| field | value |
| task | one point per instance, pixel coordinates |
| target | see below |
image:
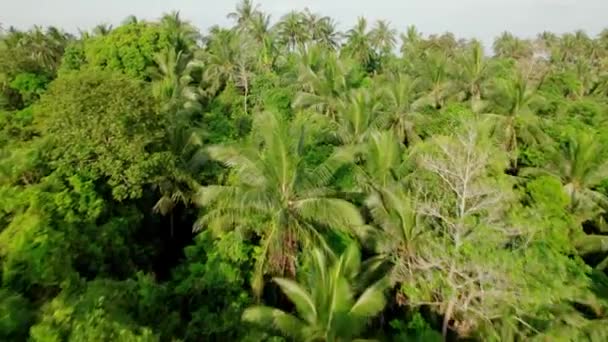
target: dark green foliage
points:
(16, 316)
(211, 286)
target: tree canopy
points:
(280, 180)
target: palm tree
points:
(358, 44)
(507, 45)
(323, 77)
(274, 191)
(172, 86)
(324, 31)
(411, 42)
(359, 116)
(400, 95)
(292, 30)
(434, 79)
(172, 81)
(43, 48)
(474, 72)
(514, 120)
(445, 43)
(102, 30)
(244, 13)
(227, 60)
(383, 37)
(546, 42)
(383, 162)
(179, 185)
(329, 307)
(603, 39)
(401, 229)
(259, 26)
(398, 229)
(183, 35)
(581, 164)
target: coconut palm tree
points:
(226, 60)
(397, 228)
(323, 78)
(276, 194)
(383, 37)
(411, 42)
(473, 72)
(444, 43)
(400, 95)
(328, 305)
(45, 48)
(546, 42)
(244, 13)
(433, 73)
(324, 32)
(358, 43)
(292, 30)
(182, 34)
(179, 185)
(259, 26)
(507, 45)
(514, 121)
(172, 81)
(102, 30)
(581, 163)
(359, 116)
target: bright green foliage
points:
(328, 305)
(100, 132)
(95, 313)
(129, 49)
(34, 254)
(30, 86)
(214, 279)
(154, 179)
(273, 187)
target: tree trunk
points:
(246, 94)
(447, 317)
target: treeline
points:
(290, 182)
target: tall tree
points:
(292, 30)
(514, 119)
(358, 43)
(400, 95)
(507, 45)
(183, 35)
(383, 37)
(580, 163)
(324, 80)
(473, 73)
(244, 13)
(276, 194)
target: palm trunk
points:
(246, 94)
(447, 317)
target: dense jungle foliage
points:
(290, 182)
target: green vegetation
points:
(290, 182)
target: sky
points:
(482, 19)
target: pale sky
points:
(483, 19)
